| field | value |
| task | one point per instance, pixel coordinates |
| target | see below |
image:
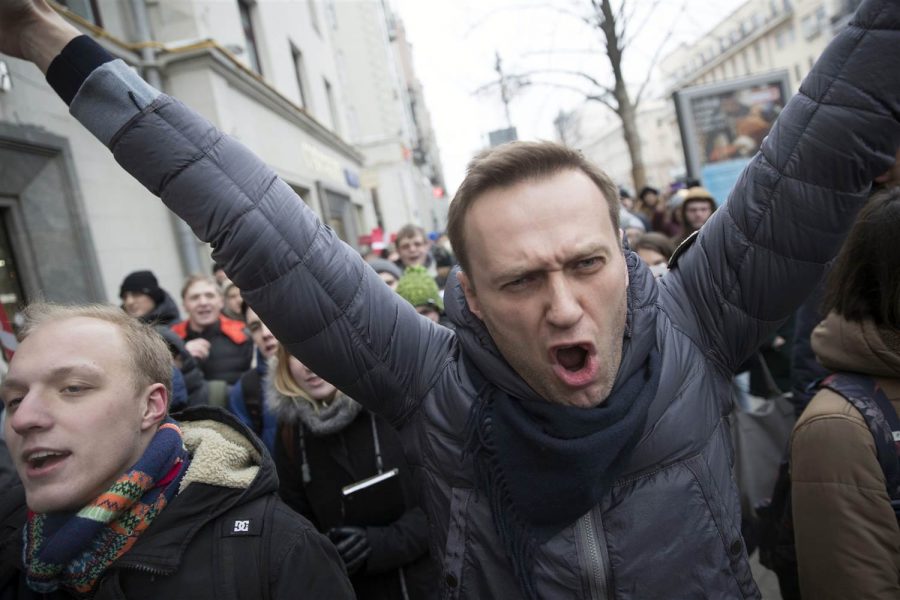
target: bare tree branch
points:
(580, 74)
(513, 8)
(587, 95)
(629, 36)
(552, 51)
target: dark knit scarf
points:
(72, 550)
(544, 465)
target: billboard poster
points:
(723, 125)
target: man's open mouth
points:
(572, 358)
(43, 460)
(575, 365)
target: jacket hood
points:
(339, 413)
(164, 313)
(858, 346)
(478, 345)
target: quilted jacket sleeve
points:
(314, 292)
(763, 251)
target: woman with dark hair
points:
(326, 443)
(846, 530)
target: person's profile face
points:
(413, 251)
(550, 284)
(137, 304)
(203, 304)
(233, 300)
(315, 387)
(74, 419)
(263, 338)
(389, 279)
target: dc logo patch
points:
(241, 527)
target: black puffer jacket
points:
(670, 526)
(182, 553)
(335, 459)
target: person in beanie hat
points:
(143, 299)
(388, 271)
(418, 288)
(697, 208)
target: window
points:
(757, 52)
(332, 107)
(784, 37)
(814, 24)
(86, 9)
(798, 74)
(300, 74)
(249, 37)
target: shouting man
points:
(571, 432)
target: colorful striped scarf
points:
(73, 550)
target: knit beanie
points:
(418, 288)
(143, 282)
(385, 266)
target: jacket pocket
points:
(455, 551)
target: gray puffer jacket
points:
(670, 526)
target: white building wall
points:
(131, 229)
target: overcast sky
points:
(454, 42)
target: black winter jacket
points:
(340, 459)
(230, 350)
(181, 555)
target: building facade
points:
(388, 120)
(73, 223)
(757, 38)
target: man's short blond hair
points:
(151, 361)
(514, 163)
(197, 278)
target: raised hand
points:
(31, 30)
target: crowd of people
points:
(539, 409)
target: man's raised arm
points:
(762, 253)
(314, 292)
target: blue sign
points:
(719, 178)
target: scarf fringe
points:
(519, 545)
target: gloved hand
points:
(352, 544)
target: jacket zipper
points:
(145, 568)
(594, 554)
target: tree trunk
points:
(625, 109)
(628, 114)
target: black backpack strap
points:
(242, 557)
(868, 398)
(251, 385)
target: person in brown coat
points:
(846, 533)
